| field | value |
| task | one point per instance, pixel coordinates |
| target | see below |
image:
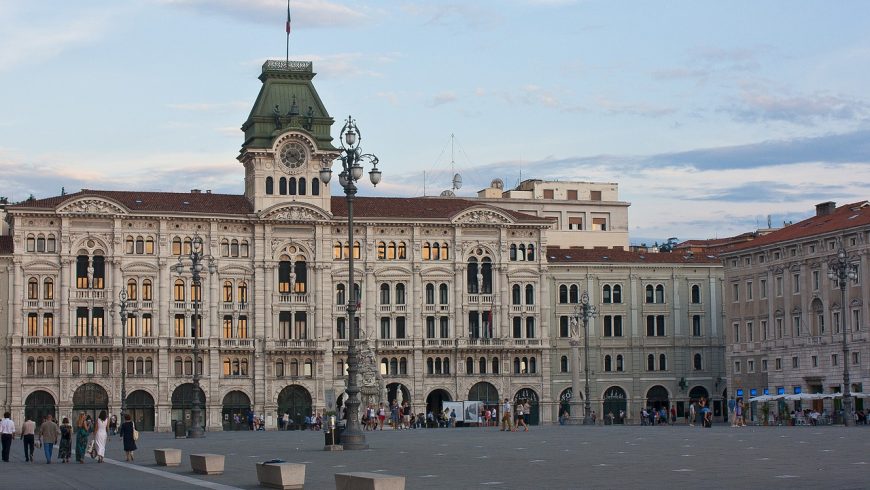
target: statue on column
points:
(479, 282)
(91, 272)
(292, 277)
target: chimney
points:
(208, 191)
(195, 191)
(825, 208)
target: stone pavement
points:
(552, 457)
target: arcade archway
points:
(657, 397)
(234, 413)
(296, 401)
(182, 403)
(529, 395)
(140, 406)
(435, 401)
(91, 399)
(615, 402)
(39, 404)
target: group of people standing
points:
(50, 434)
(522, 410)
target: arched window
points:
(619, 365)
(76, 366)
(400, 294)
(650, 294)
(391, 251)
(336, 250)
(149, 366)
(563, 364)
(443, 294)
(530, 294)
(315, 186)
(607, 365)
(340, 297)
(132, 290)
(236, 367)
(149, 246)
(401, 251)
(179, 290)
(90, 366)
(469, 366)
(178, 369)
(385, 294)
(186, 246)
(430, 366)
(382, 250)
(530, 252)
(140, 245)
(430, 294)
(445, 251)
(31, 243)
(282, 186)
(575, 294)
(176, 246)
(234, 248)
(228, 292)
(696, 362)
(516, 365)
(308, 368)
(436, 251)
(40, 243)
(279, 368)
(32, 288)
(244, 248)
(563, 294)
(356, 250)
(146, 290)
(650, 363)
(48, 289)
(403, 366)
(291, 186)
(438, 366)
(533, 366)
(471, 274)
(495, 365)
(617, 293)
(242, 290)
(521, 252)
(244, 367)
(51, 244)
(481, 365)
(696, 294)
(663, 362)
(302, 186)
(606, 294)
(31, 366)
(227, 367)
(660, 294)
(188, 366)
(129, 245)
(140, 365)
(270, 186)
(446, 365)
(513, 252)
(516, 294)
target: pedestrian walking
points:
(49, 433)
(506, 423)
(7, 432)
(28, 432)
(81, 437)
(113, 424)
(692, 415)
(100, 435)
(65, 449)
(128, 432)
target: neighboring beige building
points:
(460, 298)
(658, 336)
(783, 313)
(584, 214)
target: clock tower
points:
(287, 139)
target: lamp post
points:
(122, 296)
(582, 311)
(841, 270)
(196, 257)
(351, 171)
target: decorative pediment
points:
(91, 205)
(235, 270)
(437, 271)
(393, 272)
(295, 212)
(40, 266)
(139, 267)
(482, 216)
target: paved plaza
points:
(552, 457)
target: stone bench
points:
(207, 464)
(285, 476)
(368, 481)
(167, 457)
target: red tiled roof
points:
(614, 256)
(238, 205)
(417, 208)
(155, 202)
(6, 246)
(842, 218)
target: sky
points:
(711, 116)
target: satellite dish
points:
(497, 184)
(447, 193)
(457, 181)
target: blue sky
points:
(709, 115)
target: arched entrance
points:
(91, 399)
(435, 401)
(39, 404)
(697, 393)
(234, 415)
(657, 397)
(296, 401)
(182, 402)
(398, 392)
(484, 392)
(140, 406)
(615, 403)
(529, 395)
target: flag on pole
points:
(287, 27)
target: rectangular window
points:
(608, 326)
(856, 320)
(430, 327)
(564, 326)
(146, 325)
(445, 327)
(795, 362)
(856, 358)
(242, 327)
(735, 292)
(179, 326)
(572, 195)
(815, 361)
(764, 333)
(777, 364)
(599, 224)
(548, 193)
(779, 328)
(737, 366)
(763, 288)
(778, 285)
(594, 195)
(836, 322)
(796, 325)
(617, 326)
(834, 360)
(696, 325)
(750, 366)
(736, 327)
(816, 280)
(796, 283)
(400, 327)
(764, 365)
(750, 335)
(748, 290)
(575, 223)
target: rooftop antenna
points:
(456, 183)
(769, 223)
(287, 29)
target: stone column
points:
(17, 292)
(164, 297)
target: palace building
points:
(459, 298)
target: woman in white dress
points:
(100, 435)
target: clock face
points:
(293, 155)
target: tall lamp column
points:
(124, 313)
(351, 157)
(196, 256)
(582, 312)
(842, 270)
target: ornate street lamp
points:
(351, 171)
(196, 257)
(842, 269)
(124, 313)
(582, 311)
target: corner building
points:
(456, 297)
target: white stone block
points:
(207, 464)
(285, 476)
(368, 481)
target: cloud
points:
(309, 14)
(769, 191)
(706, 63)
(610, 106)
(758, 104)
(442, 98)
(455, 16)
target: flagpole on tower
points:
(287, 28)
